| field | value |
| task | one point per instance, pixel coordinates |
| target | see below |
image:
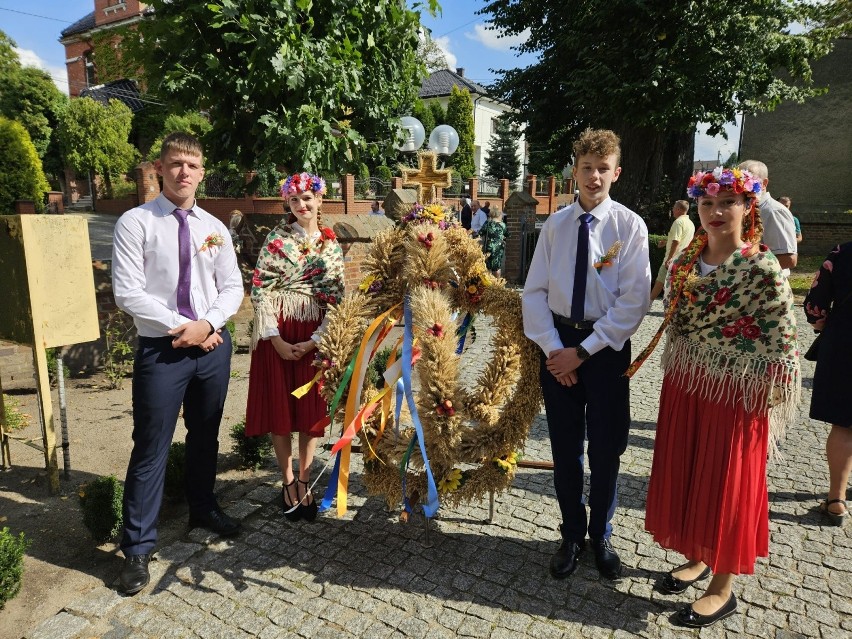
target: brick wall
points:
(76, 68)
(16, 366)
(821, 232)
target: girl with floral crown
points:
(731, 382)
(299, 274)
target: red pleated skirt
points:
(707, 496)
(271, 408)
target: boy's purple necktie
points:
(184, 303)
(581, 267)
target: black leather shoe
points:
(134, 574)
(564, 561)
(686, 616)
(309, 509)
(671, 585)
(606, 559)
(215, 521)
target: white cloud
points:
(444, 45)
(493, 39)
(30, 58)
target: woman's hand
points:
(284, 349)
(303, 348)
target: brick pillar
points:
(439, 193)
(396, 182)
(347, 193)
(503, 193)
(147, 184)
(71, 184)
(532, 180)
(24, 207)
(551, 194)
(473, 188)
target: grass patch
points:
(14, 419)
(801, 277)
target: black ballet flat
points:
(292, 511)
(671, 585)
(686, 616)
(310, 509)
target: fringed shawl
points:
(732, 338)
(296, 277)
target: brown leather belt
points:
(581, 326)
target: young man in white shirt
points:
(583, 299)
(175, 272)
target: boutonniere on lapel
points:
(609, 256)
(214, 239)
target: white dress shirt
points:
(145, 265)
(617, 298)
(479, 218)
(779, 227)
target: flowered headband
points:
(722, 179)
(299, 183)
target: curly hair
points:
(600, 142)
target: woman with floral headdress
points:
(299, 274)
(731, 382)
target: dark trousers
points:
(597, 407)
(164, 379)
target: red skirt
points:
(707, 495)
(271, 407)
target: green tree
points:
(439, 113)
(460, 117)
(8, 57)
(651, 72)
(429, 53)
(301, 83)
(191, 122)
(502, 162)
(422, 112)
(21, 174)
(94, 139)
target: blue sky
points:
(459, 31)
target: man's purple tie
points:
(184, 303)
(581, 268)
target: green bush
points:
(53, 367)
(657, 254)
(253, 451)
(11, 564)
(101, 503)
(173, 487)
(21, 172)
(231, 327)
(384, 173)
(377, 366)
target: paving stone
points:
(61, 626)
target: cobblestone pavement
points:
(368, 575)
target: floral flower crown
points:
(722, 179)
(299, 183)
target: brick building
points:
(79, 39)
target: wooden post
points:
(5, 453)
(48, 429)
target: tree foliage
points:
(430, 54)
(8, 57)
(503, 162)
(191, 122)
(21, 174)
(94, 138)
(652, 71)
(29, 96)
(460, 117)
(302, 83)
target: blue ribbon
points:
(462, 332)
(331, 489)
(431, 505)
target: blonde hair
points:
(181, 143)
(494, 214)
(681, 205)
(600, 142)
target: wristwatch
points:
(582, 353)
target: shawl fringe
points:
(270, 307)
(760, 383)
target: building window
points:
(88, 58)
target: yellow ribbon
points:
(303, 390)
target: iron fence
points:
(221, 185)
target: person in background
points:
(680, 235)
(478, 218)
(493, 235)
(789, 203)
(779, 229)
(175, 272)
(585, 295)
(730, 364)
(376, 208)
(299, 275)
(466, 215)
(828, 307)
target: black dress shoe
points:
(564, 562)
(215, 521)
(309, 509)
(606, 559)
(134, 574)
(671, 585)
(686, 616)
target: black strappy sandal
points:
(836, 519)
(291, 511)
(309, 509)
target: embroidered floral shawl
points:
(732, 336)
(296, 277)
